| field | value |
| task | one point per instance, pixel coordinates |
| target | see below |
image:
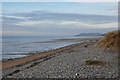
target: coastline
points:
(68, 61)
(20, 50)
(18, 61)
(37, 55)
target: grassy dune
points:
(111, 40)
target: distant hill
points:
(90, 34)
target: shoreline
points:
(34, 55)
(52, 41)
(37, 55)
(68, 62)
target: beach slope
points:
(70, 63)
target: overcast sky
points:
(57, 18)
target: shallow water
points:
(13, 56)
(17, 45)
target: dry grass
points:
(111, 40)
(95, 62)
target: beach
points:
(65, 62)
(18, 47)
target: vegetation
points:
(111, 40)
(95, 62)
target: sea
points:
(12, 47)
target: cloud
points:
(9, 18)
(78, 25)
(16, 17)
(47, 15)
(31, 33)
(50, 23)
(66, 24)
(113, 11)
(33, 23)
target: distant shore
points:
(69, 58)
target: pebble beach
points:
(69, 63)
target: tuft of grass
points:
(94, 62)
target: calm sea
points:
(17, 45)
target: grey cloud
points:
(10, 19)
(9, 22)
(46, 15)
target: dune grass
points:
(111, 40)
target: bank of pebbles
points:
(70, 64)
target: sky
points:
(58, 18)
(60, 0)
